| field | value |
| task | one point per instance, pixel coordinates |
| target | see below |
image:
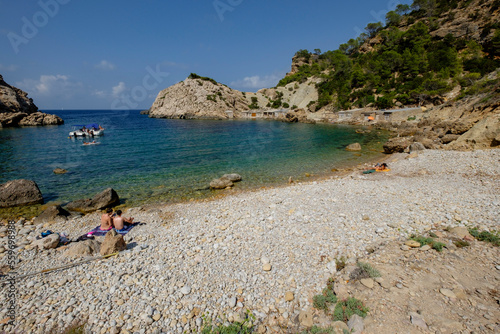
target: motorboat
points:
(91, 130)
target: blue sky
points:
(89, 54)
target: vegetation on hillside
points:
(404, 65)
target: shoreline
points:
(193, 258)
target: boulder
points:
(39, 118)
(417, 147)
(221, 183)
(88, 247)
(19, 192)
(355, 324)
(60, 171)
(446, 139)
(232, 177)
(396, 145)
(105, 199)
(113, 242)
(52, 214)
(354, 147)
(49, 242)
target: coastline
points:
(217, 247)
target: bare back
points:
(106, 222)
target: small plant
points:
(340, 263)
(347, 307)
(493, 238)
(438, 246)
(245, 327)
(321, 302)
(319, 330)
(366, 267)
(461, 243)
(411, 118)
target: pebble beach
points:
(267, 252)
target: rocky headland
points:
(270, 252)
(16, 109)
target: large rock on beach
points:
(83, 248)
(52, 214)
(19, 192)
(396, 145)
(113, 242)
(105, 199)
(39, 118)
(49, 242)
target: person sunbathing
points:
(107, 220)
(382, 168)
(120, 222)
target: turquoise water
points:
(159, 160)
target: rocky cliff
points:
(16, 109)
(204, 98)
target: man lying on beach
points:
(120, 221)
(107, 220)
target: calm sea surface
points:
(155, 160)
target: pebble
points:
(186, 290)
(447, 293)
(368, 282)
(267, 267)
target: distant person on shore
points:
(382, 168)
(120, 222)
(107, 220)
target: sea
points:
(149, 161)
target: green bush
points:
(367, 268)
(346, 308)
(493, 238)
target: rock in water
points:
(113, 242)
(105, 199)
(20, 192)
(232, 177)
(60, 171)
(52, 214)
(221, 183)
(84, 248)
(354, 147)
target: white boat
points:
(91, 130)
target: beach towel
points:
(97, 232)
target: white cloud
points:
(10, 68)
(257, 82)
(105, 65)
(120, 88)
(50, 85)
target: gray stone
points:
(83, 248)
(368, 282)
(105, 199)
(356, 324)
(232, 177)
(19, 192)
(415, 147)
(232, 302)
(52, 214)
(221, 183)
(186, 290)
(417, 320)
(113, 243)
(354, 147)
(49, 242)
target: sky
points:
(119, 54)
